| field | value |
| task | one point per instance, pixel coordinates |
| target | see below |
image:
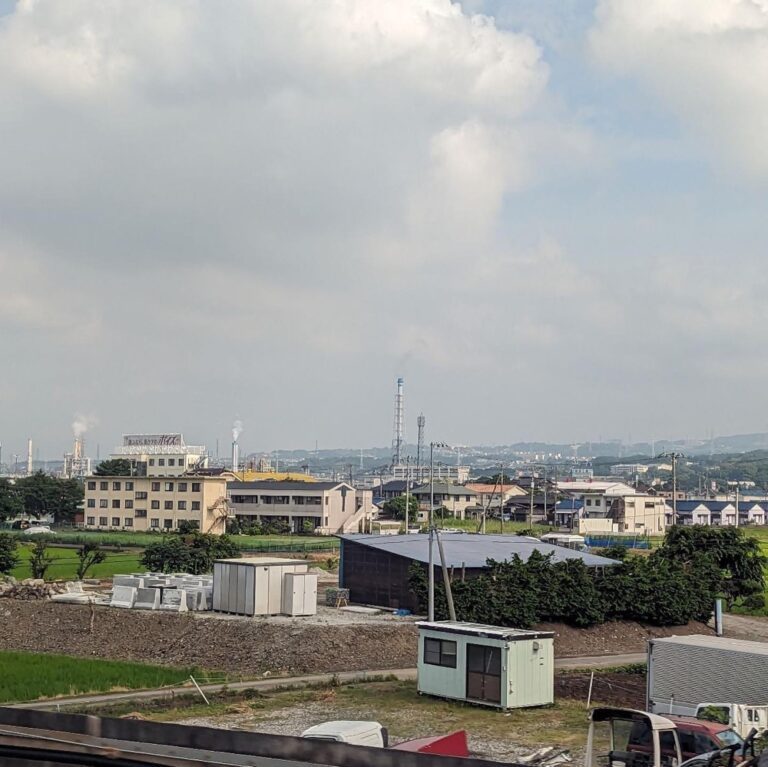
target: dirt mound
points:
(235, 646)
(252, 647)
(612, 638)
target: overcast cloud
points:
(551, 225)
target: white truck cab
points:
(743, 718)
(355, 733)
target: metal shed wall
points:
(680, 676)
(376, 577)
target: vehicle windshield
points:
(729, 738)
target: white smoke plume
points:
(82, 423)
(237, 430)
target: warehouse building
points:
(375, 567)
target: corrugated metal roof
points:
(714, 642)
(482, 629)
(473, 550)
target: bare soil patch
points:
(251, 647)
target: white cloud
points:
(704, 59)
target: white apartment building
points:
(329, 507)
(145, 504)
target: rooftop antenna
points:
(397, 430)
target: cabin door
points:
(484, 673)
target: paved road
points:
(595, 661)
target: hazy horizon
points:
(547, 215)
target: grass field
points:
(65, 564)
(243, 542)
(29, 676)
(396, 704)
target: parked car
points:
(696, 737)
(39, 530)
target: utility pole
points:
(737, 504)
(674, 456)
(407, 488)
(431, 605)
(530, 511)
(501, 499)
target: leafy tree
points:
(42, 495)
(193, 554)
(88, 555)
(11, 504)
(395, 507)
(188, 526)
(115, 467)
(737, 557)
(40, 560)
(8, 556)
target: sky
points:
(549, 216)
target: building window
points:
(155, 504)
(589, 501)
(169, 487)
(116, 486)
(91, 503)
(102, 521)
(168, 506)
(161, 461)
(154, 523)
(103, 503)
(440, 652)
(155, 487)
(649, 504)
(115, 503)
(171, 461)
(129, 504)
(195, 487)
(115, 521)
(167, 524)
(91, 485)
(151, 461)
(129, 485)
(182, 506)
(182, 487)
(141, 495)
(195, 505)
(141, 513)
(103, 485)
(90, 521)
(128, 522)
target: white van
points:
(356, 733)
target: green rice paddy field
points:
(24, 677)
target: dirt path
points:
(749, 627)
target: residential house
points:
(455, 499)
(323, 507)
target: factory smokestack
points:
(236, 431)
(397, 430)
(29, 457)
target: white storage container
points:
(300, 594)
(253, 585)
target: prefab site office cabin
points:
(491, 665)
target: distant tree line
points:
(40, 495)
(677, 583)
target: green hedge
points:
(677, 583)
